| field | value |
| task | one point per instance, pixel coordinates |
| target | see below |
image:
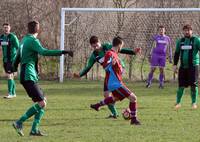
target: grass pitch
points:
(68, 117)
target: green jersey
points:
(27, 55)
(99, 57)
(10, 44)
(187, 49)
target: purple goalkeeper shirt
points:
(162, 42)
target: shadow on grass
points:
(7, 120)
(67, 109)
(66, 120)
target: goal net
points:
(136, 26)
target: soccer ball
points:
(126, 114)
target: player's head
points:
(161, 29)
(6, 28)
(117, 43)
(187, 30)
(33, 27)
(95, 42)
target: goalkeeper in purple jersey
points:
(157, 56)
(99, 51)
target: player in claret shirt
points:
(157, 56)
(99, 51)
(10, 44)
(27, 55)
(113, 81)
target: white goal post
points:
(63, 24)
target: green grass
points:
(69, 118)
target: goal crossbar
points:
(131, 9)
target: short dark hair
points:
(6, 24)
(117, 41)
(187, 27)
(161, 27)
(33, 27)
(94, 39)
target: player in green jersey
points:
(187, 50)
(27, 55)
(97, 55)
(10, 44)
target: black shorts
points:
(33, 90)
(8, 67)
(188, 77)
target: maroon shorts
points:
(121, 93)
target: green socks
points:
(113, 109)
(34, 110)
(30, 112)
(11, 87)
(37, 119)
(179, 95)
(194, 94)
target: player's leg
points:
(41, 100)
(194, 86)
(111, 107)
(161, 77)
(37, 119)
(11, 84)
(162, 61)
(183, 82)
(133, 109)
(106, 101)
(37, 109)
(10, 76)
(194, 94)
(150, 76)
(124, 92)
(154, 64)
(179, 94)
(14, 85)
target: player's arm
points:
(150, 47)
(89, 65)
(176, 55)
(37, 47)
(122, 63)
(198, 43)
(128, 51)
(106, 46)
(16, 61)
(15, 41)
(107, 60)
(170, 51)
(1, 39)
